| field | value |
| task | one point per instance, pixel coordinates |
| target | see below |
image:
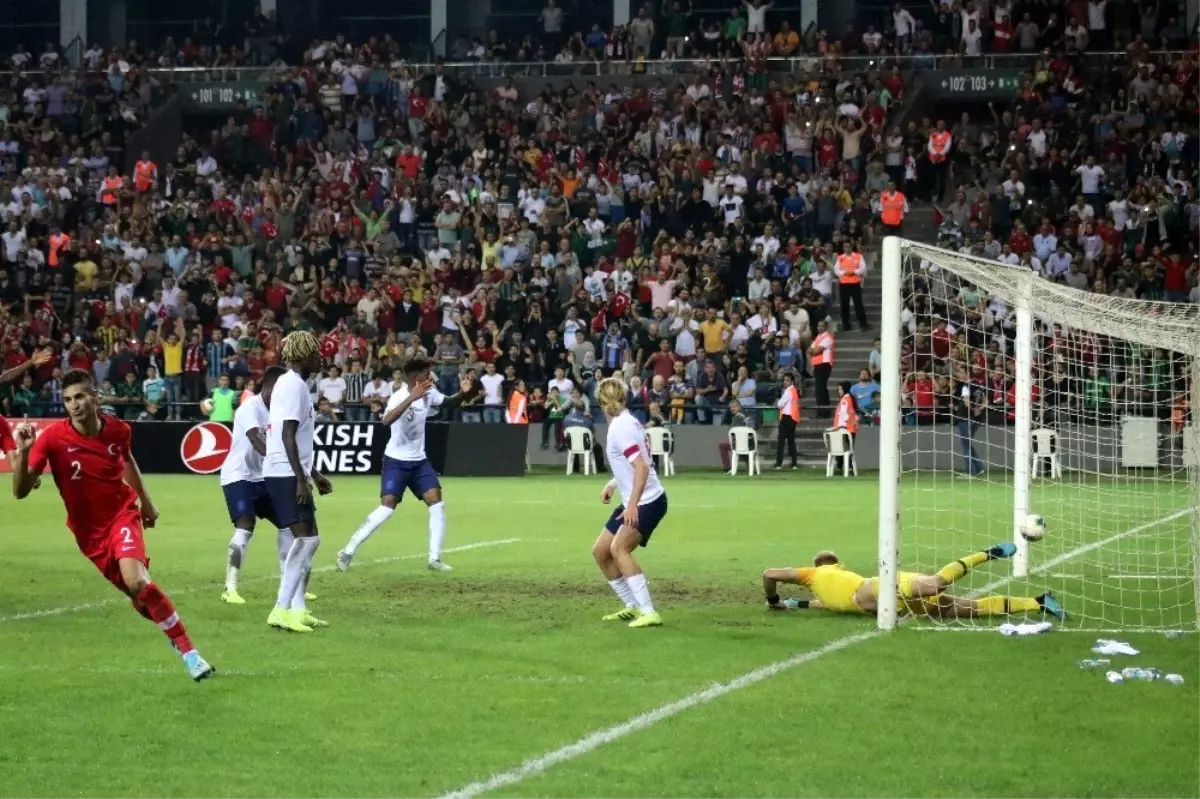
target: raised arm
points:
(418, 391)
(25, 479)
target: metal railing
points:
(804, 64)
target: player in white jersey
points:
(405, 465)
(288, 470)
(643, 506)
(242, 483)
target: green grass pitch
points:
(428, 683)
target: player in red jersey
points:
(107, 504)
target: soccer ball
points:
(1034, 527)
(206, 408)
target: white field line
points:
(589, 743)
(962, 628)
(103, 603)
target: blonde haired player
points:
(643, 506)
(840, 590)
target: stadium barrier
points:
(341, 448)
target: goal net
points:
(1004, 395)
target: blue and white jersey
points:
(243, 463)
(407, 442)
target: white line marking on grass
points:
(962, 628)
(537, 765)
(66, 609)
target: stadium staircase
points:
(852, 351)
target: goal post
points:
(1080, 409)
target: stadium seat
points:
(662, 442)
(1045, 453)
(579, 444)
(839, 445)
(743, 441)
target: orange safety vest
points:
(849, 264)
(791, 404)
(58, 242)
(111, 189)
(893, 208)
(825, 341)
(941, 144)
(516, 409)
(845, 415)
(143, 175)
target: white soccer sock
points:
(298, 600)
(284, 543)
(437, 529)
(641, 592)
(624, 593)
(293, 573)
(370, 524)
(237, 553)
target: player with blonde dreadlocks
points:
(287, 471)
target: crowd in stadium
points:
(687, 232)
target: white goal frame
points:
(1136, 320)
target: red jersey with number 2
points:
(89, 473)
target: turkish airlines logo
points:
(205, 446)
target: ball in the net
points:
(1034, 527)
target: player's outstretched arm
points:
(771, 578)
(133, 478)
(467, 388)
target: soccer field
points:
(499, 679)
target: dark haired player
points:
(242, 483)
(288, 472)
(405, 465)
(107, 503)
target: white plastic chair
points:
(1045, 453)
(743, 442)
(661, 441)
(579, 443)
(839, 445)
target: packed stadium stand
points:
(695, 199)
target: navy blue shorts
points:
(649, 516)
(417, 476)
(245, 498)
(282, 492)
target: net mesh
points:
(1113, 466)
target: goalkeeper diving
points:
(835, 588)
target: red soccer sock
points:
(141, 610)
(162, 612)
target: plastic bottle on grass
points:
(1094, 663)
(1135, 673)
